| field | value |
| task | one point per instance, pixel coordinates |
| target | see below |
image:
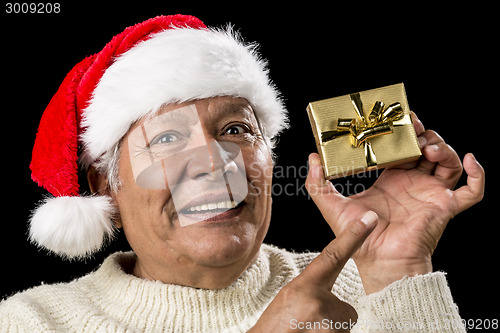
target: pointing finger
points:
(325, 268)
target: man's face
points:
(204, 173)
(196, 184)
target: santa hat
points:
(166, 59)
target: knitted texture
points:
(110, 300)
(419, 304)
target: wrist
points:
(377, 276)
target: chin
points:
(221, 246)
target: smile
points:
(212, 207)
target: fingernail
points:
(312, 161)
(313, 172)
(369, 218)
(421, 141)
(315, 166)
(474, 158)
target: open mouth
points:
(211, 214)
(212, 207)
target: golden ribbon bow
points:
(380, 122)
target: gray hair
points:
(107, 165)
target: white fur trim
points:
(72, 227)
(173, 66)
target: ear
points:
(98, 184)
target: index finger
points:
(325, 268)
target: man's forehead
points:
(183, 115)
(203, 109)
(210, 106)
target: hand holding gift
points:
(414, 202)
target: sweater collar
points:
(153, 305)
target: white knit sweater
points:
(110, 300)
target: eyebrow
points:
(176, 115)
(231, 108)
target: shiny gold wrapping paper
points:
(339, 156)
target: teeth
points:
(213, 205)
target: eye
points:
(235, 130)
(167, 137)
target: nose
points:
(213, 160)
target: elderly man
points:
(175, 125)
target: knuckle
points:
(447, 148)
(450, 151)
(333, 254)
(290, 292)
(450, 148)
(315, 306)
(308, 182)
(433, 136)
(479, 196)
(357, 229)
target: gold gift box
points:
(364, 131)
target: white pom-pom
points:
(72, 227)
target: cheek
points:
(259, 169)
(140, 208)
(144, 216)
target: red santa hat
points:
(166, 59)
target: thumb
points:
(316, 184)
(324, 194)
(325, 268)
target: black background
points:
(443, 54)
